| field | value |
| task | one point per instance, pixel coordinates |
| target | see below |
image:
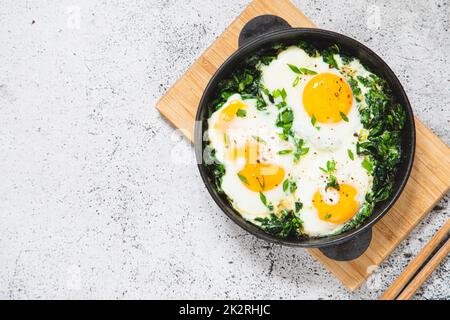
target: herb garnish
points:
(241, 113)
(368, 165)
(284, 152)
(263, 199)
(258, 139)
(298, 206)
(243, 179)
(332, 183)
(300, 150)
(284, 120)
(328, 56)
(279, 93)
(343, 116)
(289, 184)
(332, 180)
(301, 71)
(331, 166)
(350, 154)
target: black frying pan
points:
(263, 32)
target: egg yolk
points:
(262, 177)
(258, 176)
(340, 212)
(249, 151)
(228, 114)
(326, 96)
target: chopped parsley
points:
(284, 152)
(301, 71)
(343, 116)
(350, 154)
(243, 179)
(241, 113)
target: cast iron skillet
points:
(263, 32)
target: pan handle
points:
(351, 249)
(261, 25)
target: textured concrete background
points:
(100, 198)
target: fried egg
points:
(326, 210)
(325, 111)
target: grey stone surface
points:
(100, 198)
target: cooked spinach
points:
(293, 186)
(384, 121)
(355, 88)
(363, 213)
(246, 80)
(346, 60)
(308, 48)
(328, 56)
(284, 225)
(216, 168)
(298, 206)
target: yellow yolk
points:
(250, 151)
(228, 114)
(260, 177)
(342, 211)
(255, 175)
(326, 96)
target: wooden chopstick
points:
(421, 267)
(425, 273)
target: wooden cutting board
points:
(430, 177)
